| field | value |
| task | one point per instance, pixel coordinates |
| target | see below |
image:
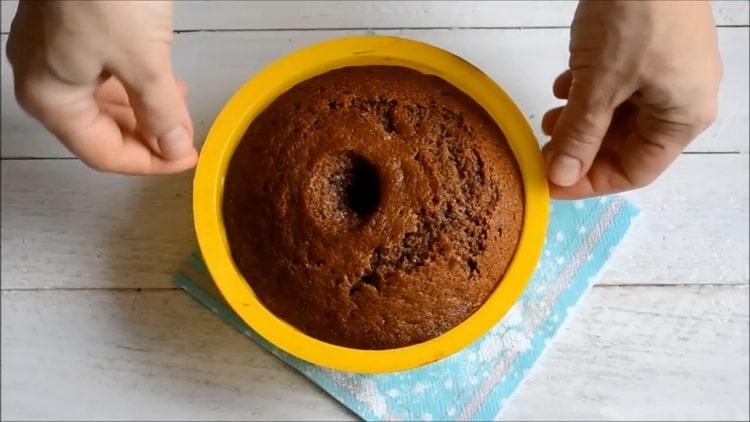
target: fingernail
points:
(564, 170)
(175, 144)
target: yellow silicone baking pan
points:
(256, 94)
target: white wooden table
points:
(92, 327)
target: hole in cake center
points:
(361, 190)
(344, 189)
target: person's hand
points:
(98, 75)
(642, 83)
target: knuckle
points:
(154, 90)
(150, 76)
(11, 50)
(642, 182)
(706, 115)
(148, 73)
(698, 118)
(594, 101)
(34, 98)
(578, 136)
(696, 108)
(598, 89)
(27, 95)
(639, 179)
(581, 133)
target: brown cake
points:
(373, 207)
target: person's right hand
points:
(642, 83)
(98, 75)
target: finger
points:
(642, 157)
(122, 115)
(159, 106)
(549, 121)
(100, 138)
(112, 91)
(579, 131)
(552, 116)
(561, 87)
(107, 144)
(113, 100)
(123, 152)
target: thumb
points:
(159, 106)
(579, 131)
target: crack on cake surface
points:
(417, 248)
(382, 109)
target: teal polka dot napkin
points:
(473, 384)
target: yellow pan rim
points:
(256, 94)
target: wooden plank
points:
(627, 353)
(635, 353)
(153, 355)
(375, 14)
(199, 15)
(65, 226)
(524, 62)
(694, 228)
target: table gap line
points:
(388, 28)
(33, 158)
(168, 289)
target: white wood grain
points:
(627, 353)
(65, 226)
(154, 355)
(399, 14)
(524, 62)
(694, 228)
(198, 15)
(636, 353)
